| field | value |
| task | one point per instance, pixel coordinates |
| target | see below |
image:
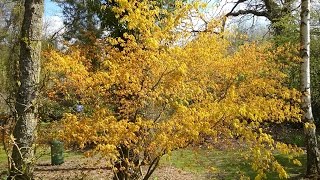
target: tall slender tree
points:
(26, 106)
(313, 156)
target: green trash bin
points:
(57, 152)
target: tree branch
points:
(154, 164)
(237, 3)
(245, 12)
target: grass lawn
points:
(216, 164)
(42, 155)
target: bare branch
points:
(237, 3)
(245, 12)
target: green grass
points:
(293, 170)
(213, 163)
(3, 156)
(295, 139)
(226, 165)
(44, 154)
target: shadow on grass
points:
(226, 165)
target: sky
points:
(51, 8)
(52, 17)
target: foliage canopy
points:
(152, 94)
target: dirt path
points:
(88, 169)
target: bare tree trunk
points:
(313, 158)
(26, 107)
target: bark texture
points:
(313, 158)
(26, 106)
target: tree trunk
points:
(26, 107)
(128, 166)
(313, 158)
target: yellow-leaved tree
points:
(153, 92)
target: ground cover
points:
(187, 164)
(221, 161)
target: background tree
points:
(274, 11)
(82, 19)
(88, 20)
(283, 19)
(26, 101)
(286, 20)
(315, 61)
(313, 156)
(315, 77)
(10, 24)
